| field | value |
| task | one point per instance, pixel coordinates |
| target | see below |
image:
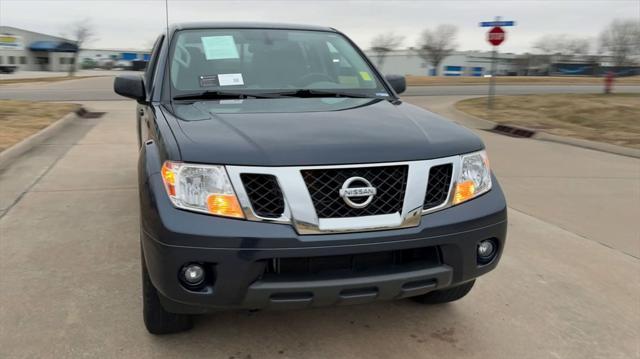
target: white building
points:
(460, 63)
(33, 51)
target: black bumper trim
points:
(274, 295)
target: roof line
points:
(35, 32)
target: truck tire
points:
(156, 318)
(445, 295)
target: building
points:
(478, 63)
(33, 51)
(460, 63)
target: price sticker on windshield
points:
(219, 47)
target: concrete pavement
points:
(591, 193)
(70, 285)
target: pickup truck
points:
(278, 169)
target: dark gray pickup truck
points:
(279, 169)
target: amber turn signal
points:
(169, 178)
(464, 191)
(224, 205)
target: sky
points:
(135, 24)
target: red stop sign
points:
(496, 36)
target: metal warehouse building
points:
(460, 63)
(33, 51)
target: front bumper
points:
(237, 253)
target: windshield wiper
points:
(214, 95)
(319, 93)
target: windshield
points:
(268, 61)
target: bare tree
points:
(81, 32)
(621, 40)
(435, 45)
(383, 44)
(562, 45)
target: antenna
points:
(166, 15)
(166, 40)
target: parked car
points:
(88, 63)
(123, 65)
(279, 169)
(8, 69)
(106, 63)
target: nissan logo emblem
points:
(365, 190)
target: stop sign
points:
(496, 36)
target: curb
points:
(37, 138)
(483, 124)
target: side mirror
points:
(130, 86)
(397, 82)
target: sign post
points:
(495, 36)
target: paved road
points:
(70, 286)
(461, 90)
(100, 89)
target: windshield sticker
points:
(384, 94)
(208, 80)
(231, 102)
(230, 79)
(219, 47)
(365, 75)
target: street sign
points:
(496, 36)
(497, 23)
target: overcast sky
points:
(134, 24)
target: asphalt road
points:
(568, 285)
(101, 89)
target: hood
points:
(313, 131)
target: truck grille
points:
(264, 193)
(438, 185)
(324, 187)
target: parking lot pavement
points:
(70, 283)
(593, 194)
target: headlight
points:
(474, 178)
(201, 188)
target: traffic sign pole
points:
(492, 79)
(495, 36)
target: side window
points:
(148, 73)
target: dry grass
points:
(42, 79)
(21, 119)
(528, 80)
(613, 118)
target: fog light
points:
(193, 274)
(486, 251)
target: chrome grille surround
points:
(300, 212)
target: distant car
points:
(7, 69)
(89, 63)
(279, 169)
(123, 64)
(106, 63)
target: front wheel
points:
(156, 318)
(445, 295)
